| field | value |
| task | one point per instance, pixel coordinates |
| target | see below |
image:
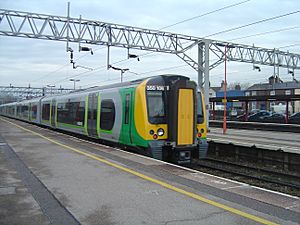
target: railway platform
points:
(270, 140)
(52, 178)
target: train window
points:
(33, 111)
(18, 110)
(200, 117)
(63, 113)
(126, 120)
(107, 116)
(24, 111)
(46, 111)
(71, 113)
(156, 107)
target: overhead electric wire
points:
(264, 33)
(49, 73)
(151, 71)
(139, 74)
(253, 23)
(67, 64)
(183, 21)
(85, 72)
(217, 33)
(257, 22)
(205, 14)
(292, 45)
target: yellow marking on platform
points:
(153, 180)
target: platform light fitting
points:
(256, 68)
(133, 56)
(86, 49)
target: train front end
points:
(174, 121)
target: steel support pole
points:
(68, 25)
(225, 90)
(200, 66)
(108, 57)
(206, 81)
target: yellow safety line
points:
(161, 183)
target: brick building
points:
(274, 87)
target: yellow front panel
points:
(185, 129)
(142, 124)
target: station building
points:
(275, 87)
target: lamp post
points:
(225, 90)
(74, 80)
(225, 83)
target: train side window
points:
(62, 113)
(46, 111)
(71, 113)
(79, 113)
(19, 110)
(127, 102)
(107, 114)
(33, 111)
(200, 117)
(24, 111)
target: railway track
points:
(251, 174)
(295, 128)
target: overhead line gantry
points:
(78, 30)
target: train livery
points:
(162, 116)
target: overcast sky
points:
(40, 63)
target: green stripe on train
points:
(129, 134)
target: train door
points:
(92, 114)
(127, 118)
(185, 117)
(182, 113)
(53, 107)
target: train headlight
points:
(160, 132)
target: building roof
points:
(215, 89)
(276, 86)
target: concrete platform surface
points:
(64, 180)
(271, 140)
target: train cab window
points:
(200, 117)
(156, 107)
(107, 114)
(46, 111)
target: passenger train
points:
(162, 116)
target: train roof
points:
(110, 86)
(130, 83)
(124, 84)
